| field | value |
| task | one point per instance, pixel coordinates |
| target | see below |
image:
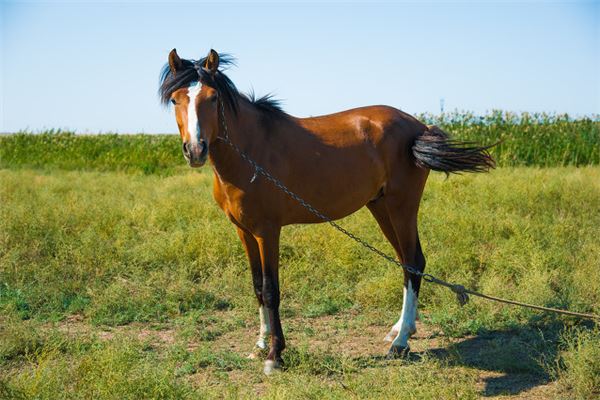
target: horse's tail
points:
(434, 149)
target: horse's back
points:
(375, 125)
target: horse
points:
(375, 156)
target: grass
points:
(538, 139)
(526, 140)
(119, 285)
(126, 368)
(578, 366)
(145, 154)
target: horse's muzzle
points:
(195, 153)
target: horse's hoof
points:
(272, 366)
(396, 352)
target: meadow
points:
(543, 140)
(121, 278)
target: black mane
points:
(267, 103)
(192, 71)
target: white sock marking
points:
(396, 328)
(193, 126)
(406, 325)
(265, 328)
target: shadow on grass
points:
(518, 359)
(515, 357)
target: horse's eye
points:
(173, 102)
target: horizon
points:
(93, 71)
(428, 118)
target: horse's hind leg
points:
(252, 251)
(380, 212)
(402, 211)
(396, 214)
(408, 315)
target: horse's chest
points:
(235, 203)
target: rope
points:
(462, 293)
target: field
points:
(524, 140)
(121, 278)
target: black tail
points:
(435, 150)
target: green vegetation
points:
(526, 140)
(579, 364)
(120, 277)
(118, 285)
(147, 154)
(545, 140)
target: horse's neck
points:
(227, 163)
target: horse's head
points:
(191, 87)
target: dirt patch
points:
(156, 335)
(341, 335)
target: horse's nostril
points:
(186, 152)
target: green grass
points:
(538, 139)
(127, 368)
(145, 154)
(121, 252)
(121, 248)
(578, 366)
(526, 140)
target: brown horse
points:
(376, 156)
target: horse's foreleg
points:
(253, 253)
(268, 244)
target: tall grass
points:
(526, 140)
(147, 154)
(578, 366)
(537, 139)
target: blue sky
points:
(93, 66)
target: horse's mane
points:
(192, 71)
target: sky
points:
(93, 67)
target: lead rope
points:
(462, 293)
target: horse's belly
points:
(336, 196)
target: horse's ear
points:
(175, 62)
(212, 62)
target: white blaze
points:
(193, 126)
